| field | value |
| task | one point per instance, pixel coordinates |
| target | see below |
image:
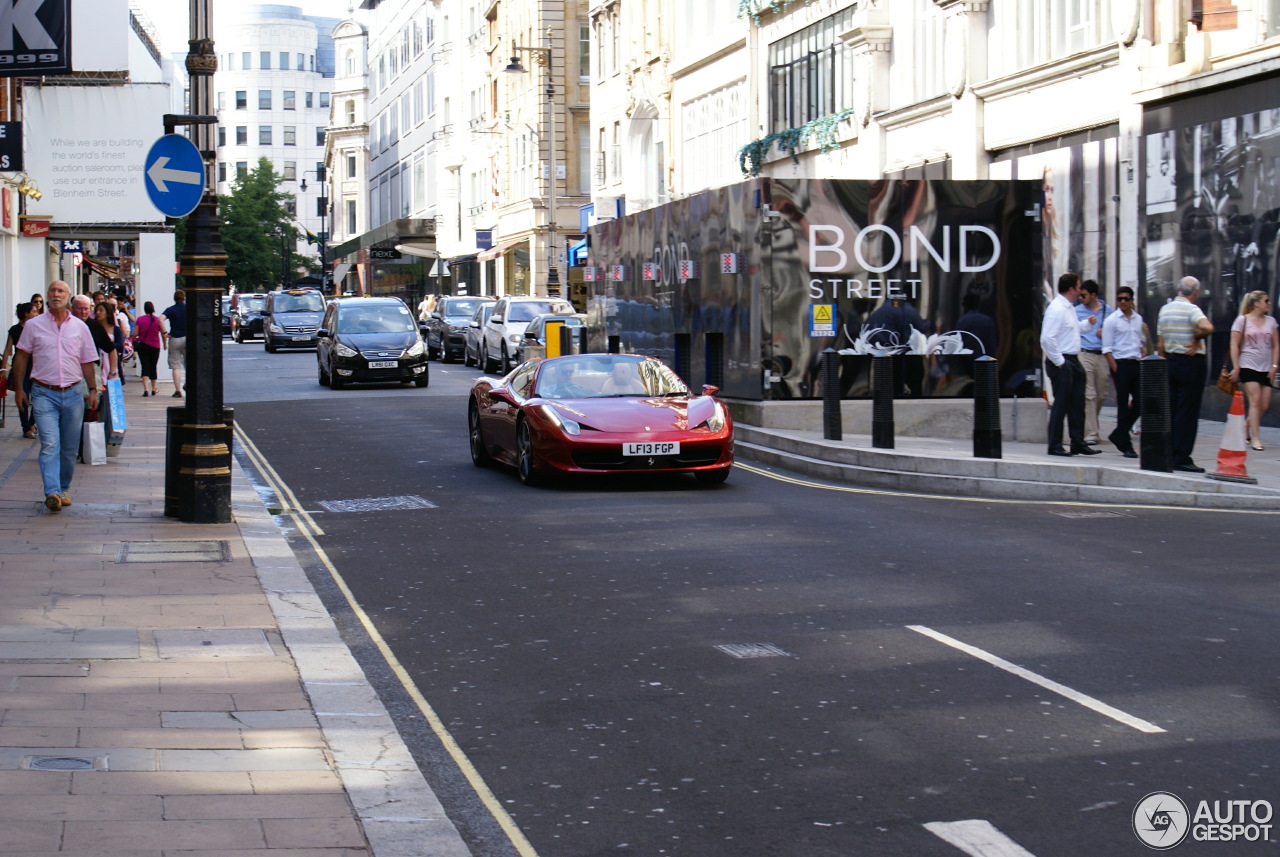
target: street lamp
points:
(322, 209)
(543, 55)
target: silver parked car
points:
(475, 332)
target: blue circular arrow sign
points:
(175, 175)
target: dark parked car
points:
(370, 339)
(446, 329)
(224, 306)
(599, 413)
(291, 318)
(475, 333)
(246, 315)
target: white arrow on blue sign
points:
(175, 175)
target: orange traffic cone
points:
(1232, 454)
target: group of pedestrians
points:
(62, 355)
(1086, 344)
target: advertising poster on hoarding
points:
(87, 147)
(932, 273)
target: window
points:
(290, 171)
(349, 63)
(264, 135)
(242, 99)
(324, 100)
(264, 99)
(230, 62)
(382, 73)
(222, 136)
(419, 183)
(417, 37)
(242, 169)
(584, 49)
(264, 59)
(319, 136)
(404, 48)
(1027, 33)
(291, 135)
(291, 205)
(351, 166)
(712, 123)
(352, 226)
(301, 59)
(351, 111)
(810, 73)
(418, 90)
(284, 61)
(246, 60)
(406, 119)
(917, 69)
(290, 99)
(222, 101)
(242, 135)
(584, 158)
(222, 171)
(309, 99)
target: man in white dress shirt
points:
(1123, 335)
(1060, 341)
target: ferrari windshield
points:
(599, 376)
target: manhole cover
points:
(203, 551)
(378, 504)
(61, 763)
(1092, 515)
(753, 650)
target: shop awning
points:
(501, 249)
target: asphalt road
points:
(775, 666)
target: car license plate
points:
(383, 364)
(301, 338)
(670, 447)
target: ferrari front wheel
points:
(524, 454)
(479, 455)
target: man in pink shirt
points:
(62, 355)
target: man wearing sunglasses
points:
(1123, 335)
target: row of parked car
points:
(494, 334)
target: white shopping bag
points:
(93, 443)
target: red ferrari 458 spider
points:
(599, 413)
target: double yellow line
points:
(310, 530)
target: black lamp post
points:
(322, 210)
(199, 438)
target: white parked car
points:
(505, 328)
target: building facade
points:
(272, 95)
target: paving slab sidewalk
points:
(202, 703)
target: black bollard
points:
(882, 401)
(566, 338)
(831, 428)
(1156, 441)
(615, 344)
(987, 435)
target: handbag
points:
(1225, 384)
(93, 443)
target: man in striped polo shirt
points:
(1180, 330)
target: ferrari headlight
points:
(715, 422)
(415, 350)
(343, 351)
(567, 425)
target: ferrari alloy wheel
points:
(479, 455)
(524, 454)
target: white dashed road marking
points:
(1048, 684)
(977, 838)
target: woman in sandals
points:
(1255, 354)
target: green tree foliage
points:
(253, 218)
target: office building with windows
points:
(271, 94)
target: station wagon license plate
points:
(670, 447)
(383, 364)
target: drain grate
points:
(202, 551)
(378, 504)
(754, 650)
(60, 763)
(1092, 515)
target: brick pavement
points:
(205, 705)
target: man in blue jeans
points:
(62, 356)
